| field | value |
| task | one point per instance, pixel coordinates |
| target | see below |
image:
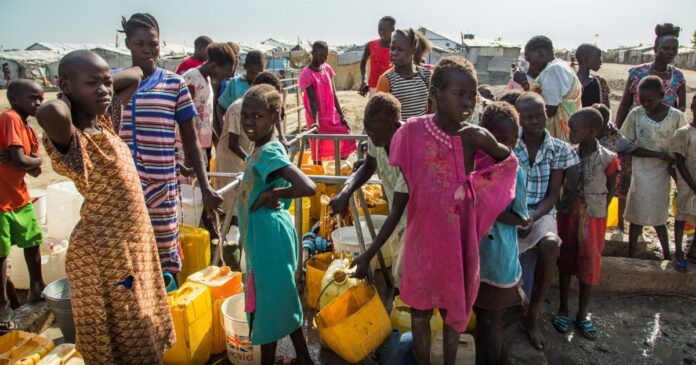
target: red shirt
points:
(15, 132)
(187, 64)
(379, 62)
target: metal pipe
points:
(361, 238)
(371, 228)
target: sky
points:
(567, 22)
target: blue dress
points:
(269, 240)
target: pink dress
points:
(448, 213)
(329, 119)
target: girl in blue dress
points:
(267, 231)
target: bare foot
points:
(531, 328)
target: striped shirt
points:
(157, 112)
(411, 92)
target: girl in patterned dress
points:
(118, 299)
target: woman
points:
(161, 104)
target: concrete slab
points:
(33, 317)
(626, 275)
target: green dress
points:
(269, 240)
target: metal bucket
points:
(57, 295)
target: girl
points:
(582, 217)
(234, 147)
(119, 304)
(267, 231)
(500, 263)
(377, 52)
(650, 126)
(682, 146)
(407, 82)
(161, 104)
(556, 82)
(220, 65)
(595, 88)
(459, 179)
(254, 63)
(422, 50)
(321, 105)
(544, 159)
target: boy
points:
(559, 86)
(199, 57)
(544, 159)
(382, 120)
(377, 51)
(19, 148)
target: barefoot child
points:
(19, 156)
(407, 82)
(582, 217)
(267, 231)
(322, 107)
(118, 299)
(650, 126)
(234, 146)
(683, 146)
(382, 120)
(544, 159)
(220, 64)
(377, 52)
(459, 179)
(500, 262)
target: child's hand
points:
(520, 77)
(185, 171)
(211, 199)
(339, 204)
(363, 89)
(267, 199)
(525, 230)
(361, 265)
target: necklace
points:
(667, 71)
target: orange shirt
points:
(15, 132)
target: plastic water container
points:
(336, 281)
(193, 318)
(57, 295)
(23, 348)
(345, 239)
(466, 353)
(195, 249)
(64, 354)
(53, 253)
(38, 199)
(400, 317)
(64, 204)
(222, 283)
(306, 206)
(192, 205)
(240, 351)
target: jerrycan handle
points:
(64, 360)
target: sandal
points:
(588, 329)
(561, 323)
(681, 265)
(7, 326)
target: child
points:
(321, 105)
(407, 82)
(19, 155)
(119, 304)
(377, 51)
(382, 119)
(199, 57)
(220, 65)
(682, 146)
(582, 217)
(161, 105)
(544, 159)
(650, 126)
(500, 263)
(559, 85)
(486, 92)
(611, 139)
(595, 88)
(234, 146)
(254, 64)
(450, 167)
(267, 231)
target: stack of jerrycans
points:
(222, 283)
(195, 250)
(193, 317)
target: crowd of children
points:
(498, 193)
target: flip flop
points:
(588, 329)
(561, 323)
(680, 265)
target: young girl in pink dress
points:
(322, 106)
(459, 179)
